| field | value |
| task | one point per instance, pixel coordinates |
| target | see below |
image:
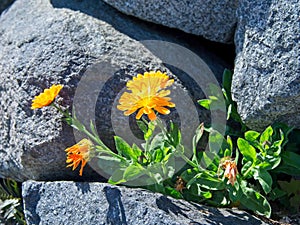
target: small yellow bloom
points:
(79, 152)
(47, 97)
(230, 171)
(147, 93)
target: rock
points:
(214, 20)
(48, 42)
(100, 203)
(266, 82)
(4, 4)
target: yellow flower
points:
(47, 97)
(230, 171)
(79, 152)
(147, 93)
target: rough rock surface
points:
(214, 20)
(47, 42)
(266, 82)
(99, 203)
(4, 4)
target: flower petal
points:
(147, 92)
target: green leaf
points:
(229, 142)
(198, 134)
(254, 201)
(264, 178)
(157, 172)
(136, 150)
(175, 134)
(289, 164)
(235, 192)
(149, 133)
(217, 142)
(276, 193)
(75, 122)
(68, 120)
(158, 177)
(108, 164)
(205, 103)
(117, 177)
(124, 149)
(270, 162)
(227, 80)
(189, 174)
(170, 166)
(246, 171)
(9, 207)
(266, 136)
(237, 156)
(228, 150)
(217, 103)
(253, 138)
(206, 181)
(229, 111)
(209, 162)
(173, 193)
(227, 153)
(247, 150)
(292, 188)
(251, 135)
(158, 155)
(142, 125)
(286, 130)
(157, 142)
(166, 153)
(133, 171)
(195, 189)
(277, 145)
(218, 199)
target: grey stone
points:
(214, 20)
(47, 42)
(63, 203)
(266, 82)
(4, 4)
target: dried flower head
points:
(180, 184)
(230, 171)
(80, 152)
(47, 97)
(147, 94)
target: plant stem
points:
(191, 163)
(100, 150)
(248, 170)
(79, 126)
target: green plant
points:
(239, 169)
(263, 156)
(11, 209)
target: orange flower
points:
(230, 171)
(147, 93)
(79, 152)
(47, 97)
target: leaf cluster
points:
(11, 210)
(259, 158)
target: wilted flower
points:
(147, 93)
(180, 184)
(47, 97)
(80, 152)
(230, 171)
